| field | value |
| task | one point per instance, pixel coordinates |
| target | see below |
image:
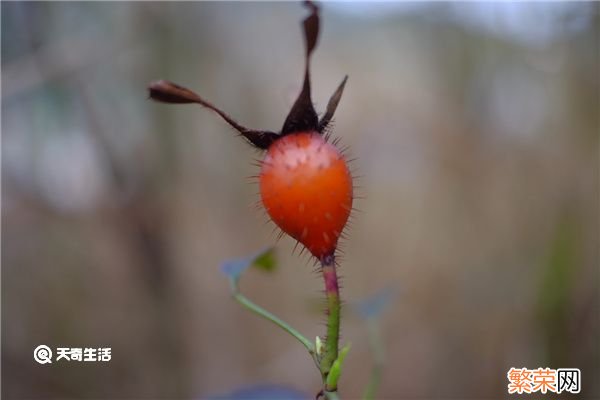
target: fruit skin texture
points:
(306, 188)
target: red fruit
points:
(305, 184)
(306, 188)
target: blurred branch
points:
(58, 59)
(376, 346)
(371, 310)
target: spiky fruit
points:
(305, 183)
(306, 188)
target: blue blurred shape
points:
(264, 259)
(372, 307)
(263, 392)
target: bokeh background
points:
(475, 127)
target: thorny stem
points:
(326, 358)
(333, 320)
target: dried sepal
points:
(332, 106)
(302, 116)
(168, 92)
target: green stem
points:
(331, 396)
(333, 321)
(244, 301)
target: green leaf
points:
(336, 368)
(266, 260)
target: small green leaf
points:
(266, 260)
(336, 368)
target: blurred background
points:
(475, 128)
